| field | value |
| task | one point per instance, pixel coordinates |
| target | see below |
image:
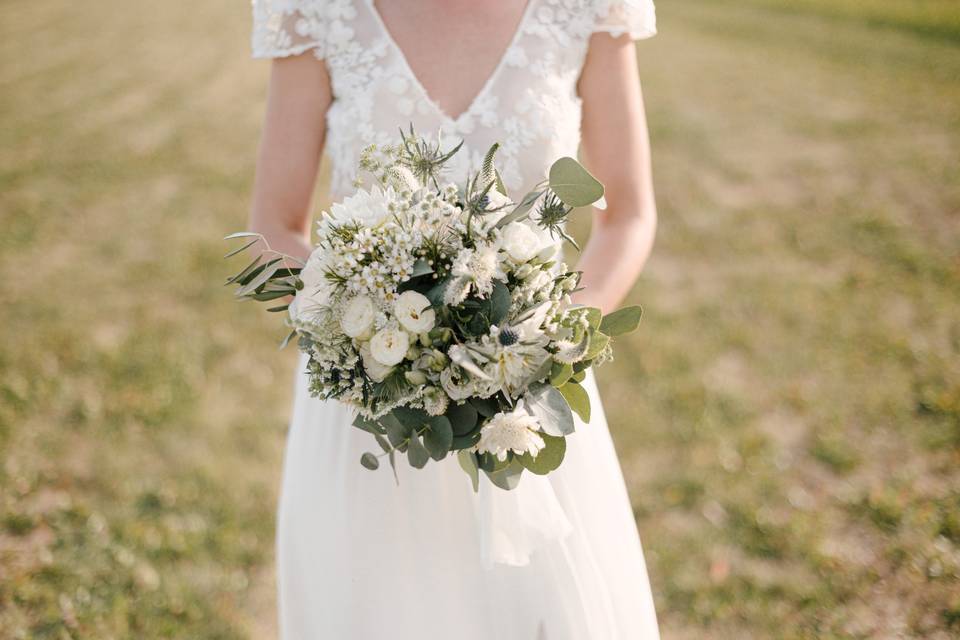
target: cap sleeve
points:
(637, 18)
(289, 27)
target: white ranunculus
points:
(389, 345)
(521, 242)
(413, 311)
(369, 208)
(514, 431)
(357, 318)
(378, 372)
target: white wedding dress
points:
(360, 558)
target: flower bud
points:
(425, 339)
(523, 271)
(415, 377)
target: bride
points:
(360, 558)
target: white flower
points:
(358, 316)
(475, 268)
(368, 208)
(413, 311)
(521, 242)
(435, 401)
(458, 387)
(514, 431)
(389, 345)
(377, 372)
(316, 290)
(512, 365)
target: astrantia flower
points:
(413, 311)
(368, 208)
(389, 345)
(358, 316)
(514, 431)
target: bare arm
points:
(616, 150)
(290, 150)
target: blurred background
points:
(788, 417)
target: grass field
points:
(788, 417)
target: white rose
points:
(357, 318)
(413, 311)
(521, 242)
(389, 345)
(377, 372)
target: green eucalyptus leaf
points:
(508, 477)
(487, 407)
(417, 454)
(438, 437)
(384, 444)
(550, 409)
(369, 461)
(573, 184)
(548, 458)
(468, 462)
(411, 418)
(621, 321)
(465, 442)
(576, 396)
(560, 372)
(397, 432)
(598, 341)
(462, 417)
(392, 457)
(368, 425)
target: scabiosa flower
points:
(515, 431)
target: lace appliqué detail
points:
(529, 105)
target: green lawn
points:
(792, 435)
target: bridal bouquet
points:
(442, 314)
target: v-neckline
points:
(484, 89)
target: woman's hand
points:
(290, 151)
(616, 149)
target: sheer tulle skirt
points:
(362, 558)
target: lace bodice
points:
(529, 104)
